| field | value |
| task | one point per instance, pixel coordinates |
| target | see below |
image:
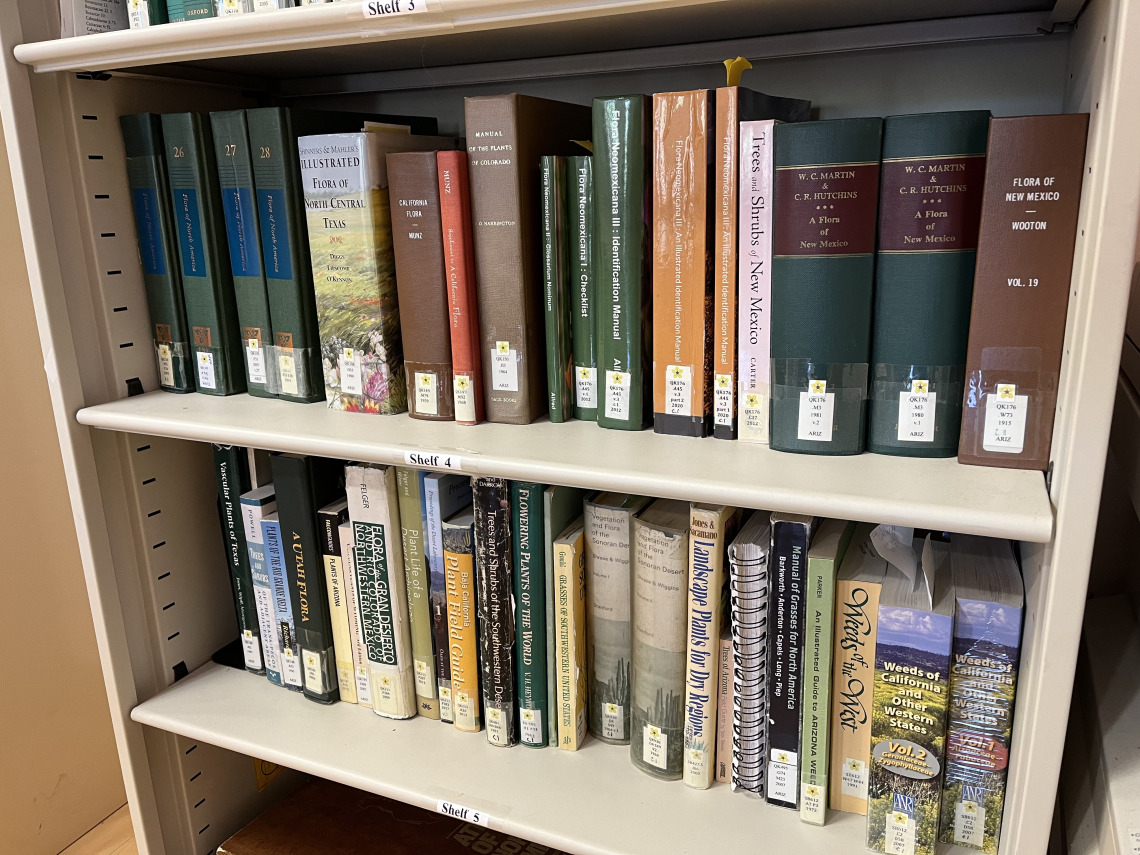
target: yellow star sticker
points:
(654, 732)
(818, 387)
(970, 807)
(920, 387)
(584, 373)
(678, 372)
(618, 379)
(696, 754)
(752, 400)
(1006, 391)
(722, 381)
(781, 757)
(504, 347)
(853, 765)
(611, 709)
(348, 353)
(528, 715)
(386, 682)
(901, 818)
(813, 792)
(462, 382)
(425, 380)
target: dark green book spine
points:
(285, 253)
(580, 248)
(826, 192)
(622, 259)
(235, 178)
(930, 209)
(304, 485)
(190, 10)
(154, 225)
(207, 284)
(556, 296)
(530, 607)
(231, 465)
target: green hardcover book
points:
(824, 557)
(207, 283)
(826, 190)
(146, 13)
(231, 465)
(235, 177)
(531, 596)
(304, 485)
(555, 287)
(409, 488)
(190, 10)
(930, 207)
(580, 249)
(622, 260)
(154, 224)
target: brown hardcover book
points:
(1034, 168)
(332, 819)
(417, 243)
(683, 219)
(506, 135)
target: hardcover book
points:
(711, 529)
(462, 619)
(362, 676)
(409, 486)
(462, 300)
(657, 672)
(381, 589)
(330, 518)
(255, 504)
(622, 260)
(531, 597)
(1034, 169)
(583, 284)
(826, 189)
(231, 466)
(443, 497)
(154, 227)
(929, 207)
(146, 13)
(556, 289)
(491, 498)
(289, 653)
(207, 283)
(190, 10)
(305, 484)
(608, 521)
(506, 136)
(421, 281)
(825, 556)
(570, 611)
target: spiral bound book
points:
(748, 587)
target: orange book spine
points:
(682, 256)
(724, 293)
(459, 265)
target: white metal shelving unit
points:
(142, 484)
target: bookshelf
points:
(142, 486)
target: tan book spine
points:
(570, 611)
(724, 294)
(463, 637)
(362, 683)
(725, 686)
(338, 613)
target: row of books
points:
(873, 284)
(87, 17)
(814, 662)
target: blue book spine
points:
(290, 649)
(254, 506)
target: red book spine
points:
(459, 262)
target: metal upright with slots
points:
(140, 475)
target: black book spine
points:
(496, 612)
(231, 465)
(305, 484)
(785, 660)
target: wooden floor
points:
(113, 836)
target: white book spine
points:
(361, 676)
(335, 580)
(754, 282)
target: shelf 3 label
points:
(391, 8)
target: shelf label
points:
(476, 817)
(916, 413)
(1005, 420)
(722, 400)
(427, 460)
(817, 411)
(392, 8)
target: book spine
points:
(754, 279)
(608, 554)
(983, 682)
(290, 650)
(381, 587)
(815, 741)
(410, 486)
(727, 142)
(622, 258)
(530, 601)
(908, 733)
(853, 678)
(823, 264)
(657, 675)
(580, 251)
(234, 7)
(748, 584)
(146, 13)
(207, 284)
(724, 704)
(328, 524)
(459, 265)
(929, 212)
(570, 585)
(154, 226)
(462, 631)
(555, 288)
(433, 555)
(252, 514)
(285, 254)
(496, 612)
(350, 244)
(235, 178)
(682, 248)
(785, 665)
(232, 469)
(362, 679)
(190, 10)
